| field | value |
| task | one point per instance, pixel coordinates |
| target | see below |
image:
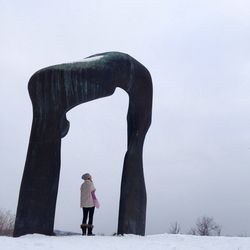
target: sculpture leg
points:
(133, 198)
(132, 213)
(38, 192)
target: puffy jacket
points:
(86, 197)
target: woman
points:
(88, 200)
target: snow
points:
(93, 58)
(127, 242)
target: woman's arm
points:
(93, 195)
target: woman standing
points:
(88, 200)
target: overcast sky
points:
(197, 151)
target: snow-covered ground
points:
(128, 242)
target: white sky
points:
(197, 151)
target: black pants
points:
(88, 213)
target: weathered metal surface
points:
(54, 91)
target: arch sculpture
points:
(54, 91)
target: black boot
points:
(90, 228)
(84, 228)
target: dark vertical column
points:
(38, 192)
(133, 199)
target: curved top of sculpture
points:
(56, 89)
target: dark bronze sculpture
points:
(54, 91)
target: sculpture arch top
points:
(54, 91)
